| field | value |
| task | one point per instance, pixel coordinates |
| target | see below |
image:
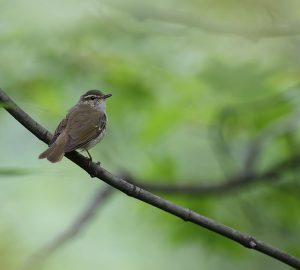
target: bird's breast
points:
(95, 141)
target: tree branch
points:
(233, 183)
(246, 176)
(147, 197)
(74, 228)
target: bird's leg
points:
(91, 160)
(90, 157)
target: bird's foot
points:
(90, 162)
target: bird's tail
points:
(55, 152)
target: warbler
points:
(83, 127)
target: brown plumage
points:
(82, 128)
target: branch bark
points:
(147, 197)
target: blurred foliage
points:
(13, 172)
(195, 85)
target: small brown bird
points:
(82, 128)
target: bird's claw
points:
(90, 163)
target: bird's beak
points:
(107, 96)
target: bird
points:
(82, 128)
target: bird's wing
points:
(83, 125)
(62, 125)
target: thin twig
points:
(71, 231)
(149, 198)
(220, 187)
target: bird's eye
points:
(93, 97)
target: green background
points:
(194, 84)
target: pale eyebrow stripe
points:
(91, 96)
